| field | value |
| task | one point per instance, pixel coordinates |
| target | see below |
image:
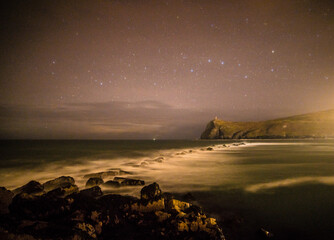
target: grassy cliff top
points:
(319, 124)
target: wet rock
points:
(88, 228)
(111, 183)
(91, 215)
(151, 191)
(177, 205)
(159, 159)
(63, 191)
(144, 164)
(109, 173)
(92, 192)
(32, 187)
(28, 206)
(162, 216)
(60, 182)
(6, 197)
(91, 182)
(128, 181)
(151, 206)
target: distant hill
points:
(312, 125)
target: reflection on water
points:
(285, 186)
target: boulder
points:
(59, 182)
(209, 149)
(89, 214)
(32, 187)
(6, 197)
(151, 191)
(129, 181)
(109, 173)
(92, 192)
(63, 191)
(91, 182)
(111, 183)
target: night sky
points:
(160, 69)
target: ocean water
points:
(284, 186)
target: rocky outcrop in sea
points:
(57, 209)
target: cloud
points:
(103, 120)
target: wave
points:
(328, 180)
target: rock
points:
(159, 159)
(88, 228)
(162, 216)
(177, 205)
(28, 206)
(91, 182)
(6, 197)
(63, 191)
(32, 187)
(109, 173)
(182, 226)
(151, 191)
(111, 183)
(151, 206)
(209, 149)
(91, 215)
(128, 181)
(63, 181)
(92, 192)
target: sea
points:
(283, 186)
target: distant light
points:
(191, 70)
(222, 62)
(272, 51)
(101, 83)
(209, 60)
(272, 69)
(246, 76)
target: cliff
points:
(312, 125)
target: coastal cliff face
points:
(313, 125)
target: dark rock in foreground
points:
(6, 197)
(32, 187)
(90, 215)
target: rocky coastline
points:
(58, 209)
